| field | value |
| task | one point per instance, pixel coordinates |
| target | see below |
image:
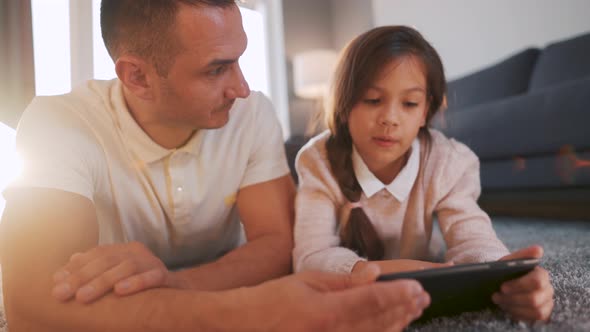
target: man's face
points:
(205, 77)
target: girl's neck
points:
(389, 173)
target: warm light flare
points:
(568, 163)
(11, 165)
(519, 164)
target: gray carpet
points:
(567, 258)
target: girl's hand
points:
(401, 265)
(530, 297)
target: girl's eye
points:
(372, 101)
(410, 104)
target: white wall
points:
(470, 34)
(349, 19)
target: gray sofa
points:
(528, 120)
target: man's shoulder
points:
(86, 103)
(75, 118)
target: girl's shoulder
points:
(440, 148)
(446, 159)
(315, 148)
(314, 170)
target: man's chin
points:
(219, 120)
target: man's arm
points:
(41, 229)
(266, 211)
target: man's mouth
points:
(225, 107)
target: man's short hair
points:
(145, 28)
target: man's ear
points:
(134, 73)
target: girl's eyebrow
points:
(415, 89)
(408, 90)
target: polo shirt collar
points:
(400, 187)
(138, 140)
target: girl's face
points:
(388, 117)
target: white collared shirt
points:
(400, 187)
(179, 202)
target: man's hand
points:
(530, 297)
(319, 301)
(401, 265)
(125, 268)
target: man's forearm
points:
(151, 310)
(257, 261)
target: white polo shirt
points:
(180, 202)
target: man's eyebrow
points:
(218, 62)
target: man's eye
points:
(372, 101)
(217, 71)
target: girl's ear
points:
(135, 75)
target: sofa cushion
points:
(563, 169)
(292, 147)
(507, 78)
(526, 125)
(563, 61)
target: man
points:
(126, 180)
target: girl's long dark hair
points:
(357, 69)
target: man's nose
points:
(239, 87)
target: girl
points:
(370, 185)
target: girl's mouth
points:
(385, 141)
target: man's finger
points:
(69, 286)
(382, 305)
(105, 282)
(136, 283)
(76, 262)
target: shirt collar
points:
(400, 187)
(138, 140)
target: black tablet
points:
(465, 287)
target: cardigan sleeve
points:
(466, 228)
(317, 243)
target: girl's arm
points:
(466, 228)
(400, 265)
(317, 243)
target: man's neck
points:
(168, 137)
